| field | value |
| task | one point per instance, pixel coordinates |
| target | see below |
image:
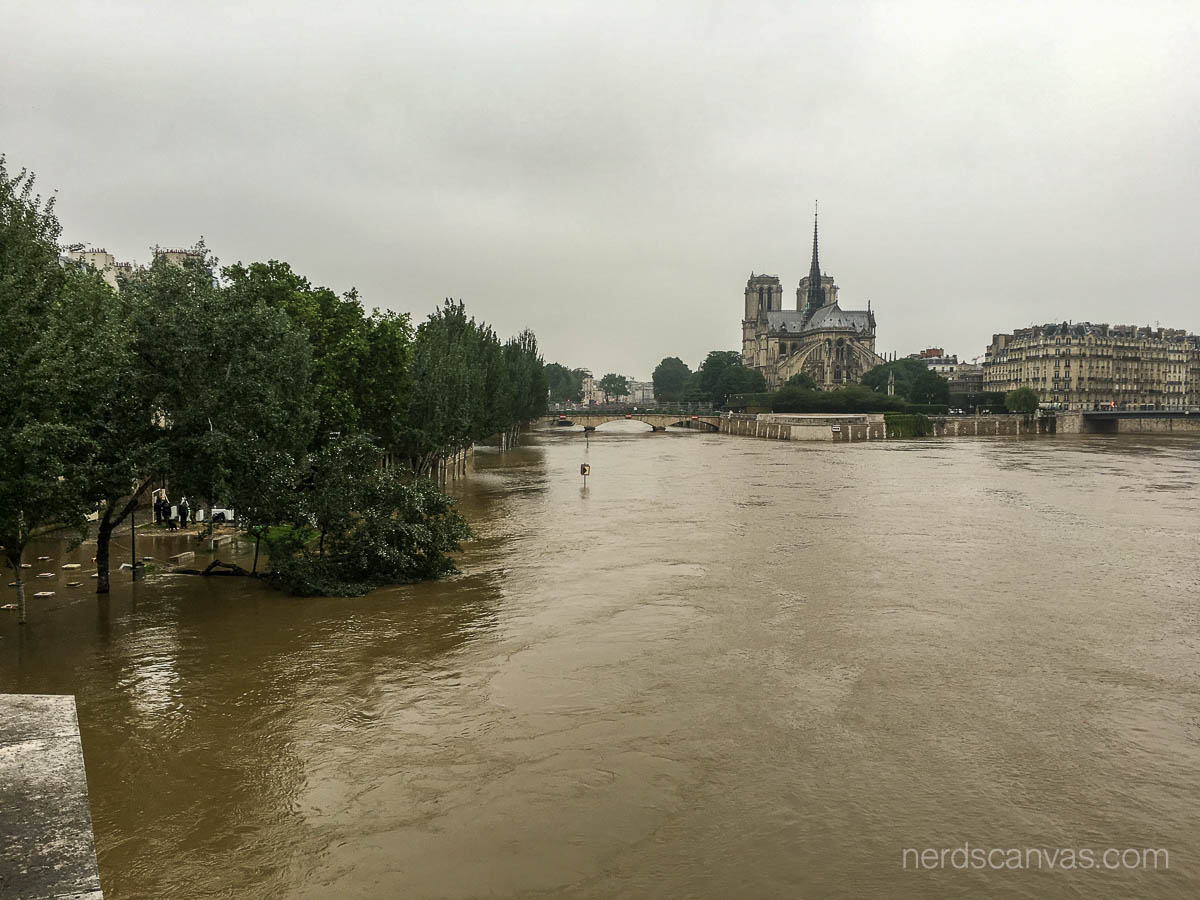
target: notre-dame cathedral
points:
(835, 346)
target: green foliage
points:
(737, 380)
(1022, 400)
(693, 391)
(850, 399)
(803, 381)
(372, 526)
(57, 333)
(467, 386)
(229, 380)
(915, 381)
(722, 375)
(613, 385)
(907, 425)
(566, 385)
(360, 363)
(979, 400)
(711, 371)
(670, 378)
(527, 378)
(264, 392)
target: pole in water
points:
(133, 541)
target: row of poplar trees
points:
(246, 387)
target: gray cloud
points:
(610, 174)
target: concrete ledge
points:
(186, 556)
(45, 819)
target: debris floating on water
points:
(72, 566)
(44, 594)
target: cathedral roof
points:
(827, 318)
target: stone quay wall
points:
(873, 427)
(1176, 423)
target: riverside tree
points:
(467, 387)
(566, 385)
(915, 381)
(722, 375)
(364, 526)
(613, 385)
(238, 390)
(670, 377)
(1022, 400)
(56, 340)
(360, 363)
(218, 396)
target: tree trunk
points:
(108, 524)
(257, 541)
(103, 541)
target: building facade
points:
(936, 360)
(102, 261)
(111, 270)
(1086, 366)
(967, 378)
(835, 346)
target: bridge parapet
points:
(658, 420)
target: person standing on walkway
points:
(184, 509)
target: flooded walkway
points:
(724, 668)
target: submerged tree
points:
(365, 526)
(262, 392)
(215, 396)
(467, 386)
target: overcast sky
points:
(609, 174)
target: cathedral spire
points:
(816, 296)
(814, 271)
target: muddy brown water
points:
(725, 668)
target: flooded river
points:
(724, 668)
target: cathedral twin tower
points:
(834, 346)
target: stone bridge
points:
(657, 419)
